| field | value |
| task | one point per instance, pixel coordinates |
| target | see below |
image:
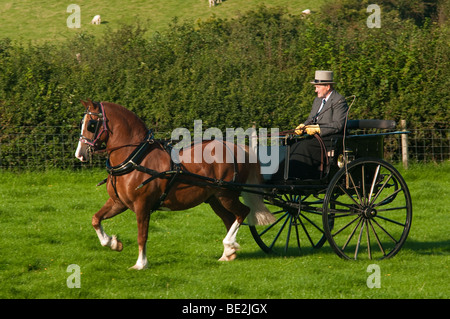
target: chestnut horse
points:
(136, 180)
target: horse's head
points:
(93, 130)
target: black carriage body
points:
(356, 146)
(348, 146)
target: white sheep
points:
(96, 20)
(213, 2)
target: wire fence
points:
(429, 143)
(44, 147)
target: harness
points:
(134, 159)
(133, 162)
(175, 174)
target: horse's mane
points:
(126, 114)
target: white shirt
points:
(324, 101)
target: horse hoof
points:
(119, 246)
(138, 267)
(228, 258)
(116, 244)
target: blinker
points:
(92, 126)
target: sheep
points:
(96, 20)
(212, 3)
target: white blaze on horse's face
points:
(82, 150)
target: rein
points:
(112, 149)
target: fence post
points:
(404, 145)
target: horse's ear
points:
(87, 103)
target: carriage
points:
(360, 203)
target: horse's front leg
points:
(143, 219)
(110, 209)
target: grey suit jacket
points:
(332, 117)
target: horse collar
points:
(134, 159)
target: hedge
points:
(251, 70)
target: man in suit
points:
(328, 111)
(327, 118)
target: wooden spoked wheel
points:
(369, 207)
(298, 224)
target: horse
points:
(143, 177)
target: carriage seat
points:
(367, 124)
(361, 145)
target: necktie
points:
(321, 106)
(320, 109)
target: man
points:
(327, 118)
(328, 111)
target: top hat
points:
(323, 77)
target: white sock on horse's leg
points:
(229, 243)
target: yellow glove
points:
(299, 129)
(312, 129)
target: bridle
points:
(97, 127)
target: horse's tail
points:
(259, 214)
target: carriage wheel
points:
(371, 210)
(298, 224)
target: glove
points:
(312, 129)
(299, 129)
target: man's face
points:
(322, 90)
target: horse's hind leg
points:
(233, 213)
(110, 209)
(230, 246)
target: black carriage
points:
(360, 204)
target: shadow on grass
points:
(259, 254)
(436, 248)
(428, 247)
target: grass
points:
(45, 20)
(45, 221)
(45, 218)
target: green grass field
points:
(45, 20)
(45, 220)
